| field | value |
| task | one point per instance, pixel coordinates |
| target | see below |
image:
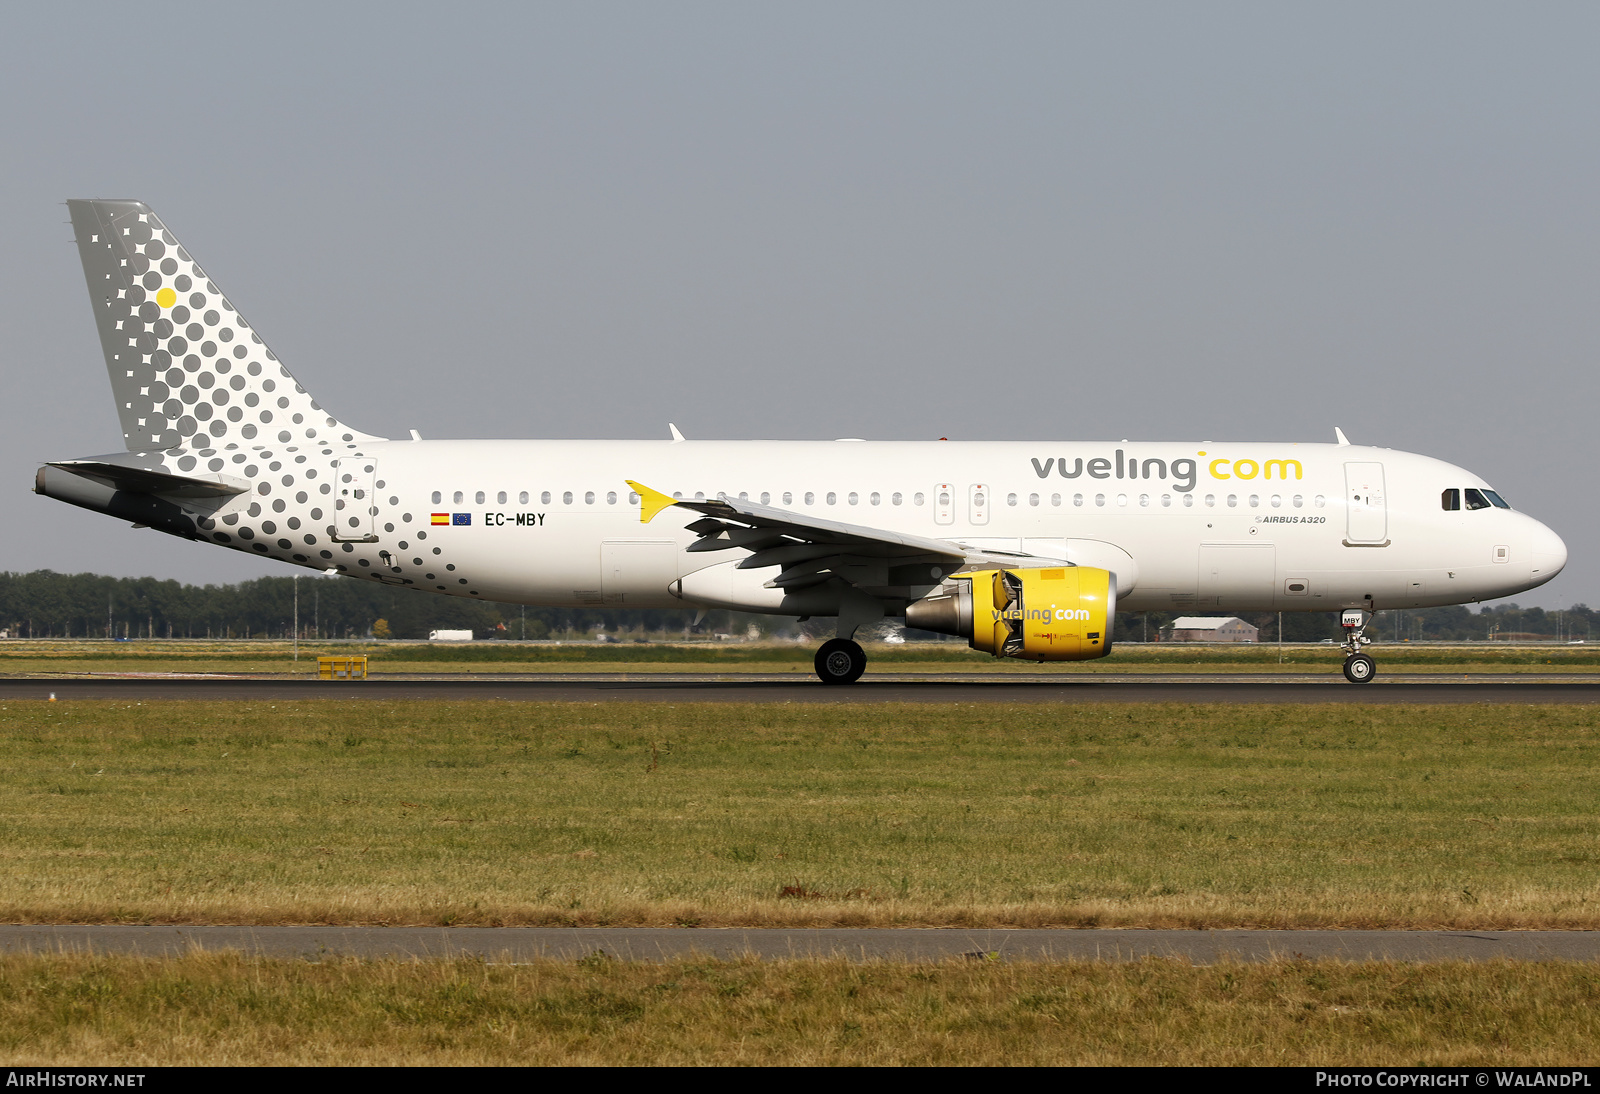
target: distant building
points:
(1195, 628)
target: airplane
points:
(1026, 549)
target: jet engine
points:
(1055, 614)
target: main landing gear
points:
(1358, 667)
(840, 661)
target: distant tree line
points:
(45, 604)
(1458, 623)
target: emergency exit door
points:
(978, 503)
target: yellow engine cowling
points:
(1045, 614)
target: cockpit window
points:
(1475, 499)
(1450, 500)
(1499, 502)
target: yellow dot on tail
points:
(166, 297)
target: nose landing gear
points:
(1358, 667)
(840, 661)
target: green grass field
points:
(874, 814)
(220, 1009)
(722, 814)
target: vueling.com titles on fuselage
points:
(1184, 472)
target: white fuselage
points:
(223, 444)
(1223, 526)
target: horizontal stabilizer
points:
(144, 480)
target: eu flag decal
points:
(460, 518)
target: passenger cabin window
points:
(1475, 499)
(832, 497)
(588, 497)
(458, 495)
(788, 497)
(611, 497)
(811, 498)
(916, 499)
(544, 497)
(566, 497)
(1450, 500)
(766, 498)
(438, 498)
(522, 498)
(500, 498)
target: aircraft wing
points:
(810, 550)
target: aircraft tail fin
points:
(186, 369)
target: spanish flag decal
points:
(441, 518)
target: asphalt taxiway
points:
(793, 688)
(512, 944)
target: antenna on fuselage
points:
(676, 436)
(1344, 442)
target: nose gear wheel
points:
(1360, 669)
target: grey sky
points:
(819, 220)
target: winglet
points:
(1344, 442)
(651, 501)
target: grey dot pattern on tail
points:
(199, 390)
(186, 368)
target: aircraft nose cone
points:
(1549, 554)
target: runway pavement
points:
(509, 944)
(933, 687)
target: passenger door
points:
(1366, 511)
(355, 503)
